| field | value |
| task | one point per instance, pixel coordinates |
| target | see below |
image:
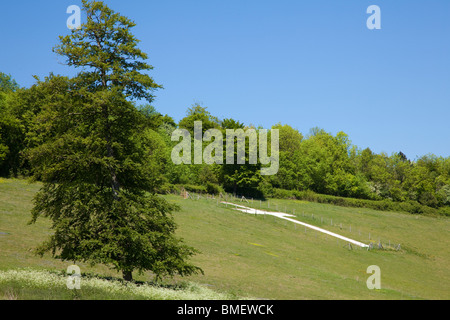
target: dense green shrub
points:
(213, 188)
(168, 188)
(194, 188)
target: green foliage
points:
(154, 119)
(11, 128)
(319, 162)
(199, 113)
(212, 188)
(3, 151)
(324, 165)
(385, 205)
(7, 83)
(242, 179)
(130, 234)
(107, 52)
(288, 176)
(99, 160)
(194, 188)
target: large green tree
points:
(11, 128)
(288, 176)
(94, 160)
(202, 174)
(244, 178)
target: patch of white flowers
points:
(32, 278)
(46, 280)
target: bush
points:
(413, 207)
(212, 188)
(194, 188)
(168, 188)
(445, 211)
(266, 189)
(283, 194)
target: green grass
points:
(264, 257)
(287, 263)
(23, 275)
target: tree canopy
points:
(94, 160)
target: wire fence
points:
(223, 199)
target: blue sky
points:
(303, 63)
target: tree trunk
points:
(110, 153)
(127, 275)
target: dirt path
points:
(286, 216)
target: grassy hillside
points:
(268, 258)
(24, 275)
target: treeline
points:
(317, 166)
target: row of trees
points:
(332, 165)
(319, 161)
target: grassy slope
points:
(266, 258)
(18, 281)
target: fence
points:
(223, 199)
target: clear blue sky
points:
(303, 63)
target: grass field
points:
(248, 256)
